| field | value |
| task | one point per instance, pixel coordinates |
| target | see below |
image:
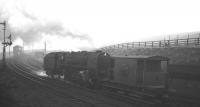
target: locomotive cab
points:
(53, 63)
(99, 65)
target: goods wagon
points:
(148, 72)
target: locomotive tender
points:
(99, 68)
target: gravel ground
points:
(16, 91)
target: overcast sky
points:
(83, 24)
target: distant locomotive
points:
(17, 50)
(99, 68)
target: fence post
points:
(159, 43)
(177, 42)
(152, 44)
(188, 40)
(139, 44)
(168, 44)
(198, 39)
(127, 45)
(145, 44)
(164, 43)
(169, 41)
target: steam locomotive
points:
(99, 68)
(90, 67)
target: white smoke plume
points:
(24, 24)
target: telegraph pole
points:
(10, 38)
(4, 48)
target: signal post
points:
(5, 44)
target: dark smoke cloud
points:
(34, 28)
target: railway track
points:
(19, 71)
(134, 99)
(76, 95)
(138, 100)
(86, 96)
(94, 98)
(183, 101)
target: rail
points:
(188, 42)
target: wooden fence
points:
(188, 42)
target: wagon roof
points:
(144, 57)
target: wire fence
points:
(187, 42)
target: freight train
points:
(99, 68)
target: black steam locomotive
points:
(87, 67)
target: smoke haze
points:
(80, 23)
(24, 24)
